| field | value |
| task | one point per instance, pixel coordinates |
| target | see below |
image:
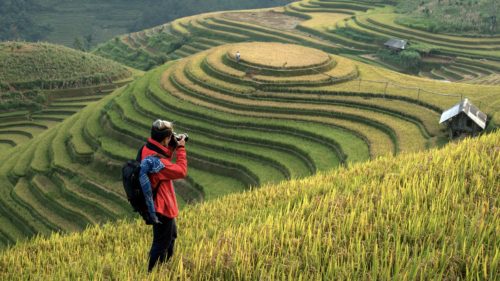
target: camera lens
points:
(179, 137)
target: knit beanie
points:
(160, 134)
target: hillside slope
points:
(48, 66)
(42, 84)
(432, 215)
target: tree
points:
(410, 60)
(77, 44)
(88, 41)
(16, 22)
(491, 7)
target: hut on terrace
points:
(396, 45)
(464, 119)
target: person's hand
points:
(154, 219)
(182, 141)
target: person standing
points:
(165, 202)
(238, 56)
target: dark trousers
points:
(164, 235)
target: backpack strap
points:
(156, 149)
(139, 154)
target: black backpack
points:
(130, 176)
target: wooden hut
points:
(464, 119)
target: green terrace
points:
(245, 131)
(19, 126)
(366, 31)
(42, 84)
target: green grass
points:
(41, 201)
(82, 149)
(21, 126)
(41, 159)
(39, 212)
(24, 159)
(31, 128)
(84, 200)
(56, 67)
(216, 186)
(17, 113)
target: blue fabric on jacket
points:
(149, 165)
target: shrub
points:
(421, 48)
(409, 60)
(32, 100)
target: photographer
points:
(163, 143)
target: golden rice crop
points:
(322, 21)
(380, 143)
(278, 55)
(194, 68)
(431, 216)
(408, 134)
(427, 116)
(373, 81)
(343, 68)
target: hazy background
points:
(95, 21)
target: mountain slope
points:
(42, 84)
(47, 66)
(432, 215)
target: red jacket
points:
(165, 201)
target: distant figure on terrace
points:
(238, 55)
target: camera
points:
(176, 138)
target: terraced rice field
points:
(269, 118)
(20, 126)
(186, 36)
(335, 26)
(367, 26)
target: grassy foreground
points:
(431, 216)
